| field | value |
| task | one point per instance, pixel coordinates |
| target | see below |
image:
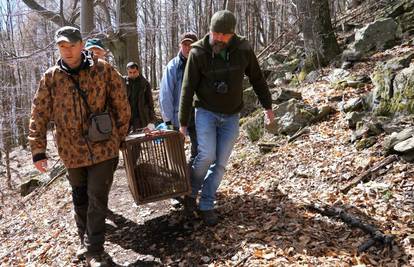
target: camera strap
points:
(83, 95)
(227, 60)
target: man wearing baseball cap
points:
(170, 89)
(68, 93)
(213, 82)
(96, 46)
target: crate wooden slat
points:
(156, 166)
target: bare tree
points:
(87, 15)
(230, 5)
(125, 47)
(173, 29)
(267, 24)
(320, 41)
(55, 17)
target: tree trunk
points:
(159, 45)
(261, 35)
(87, 15)
(320, 41)
(8, 170)
(230, 5)
(22, 119)
(272, 21)
(6, 123)
(126, 46)
(174, 30)
(153, 53)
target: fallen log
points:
(364, 177)
(298, 133)
(56, 172)
(377, 237)
(267, 146)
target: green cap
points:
(68, 34)
(223, 21)
(94, 42)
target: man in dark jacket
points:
(67, 94)
(214, 75)
(140, 99)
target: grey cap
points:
(68, 34)
(223, 21)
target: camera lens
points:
(221, 87)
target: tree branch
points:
(52, 16)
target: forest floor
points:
(262, 201)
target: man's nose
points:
(67, 52)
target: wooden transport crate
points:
(156, 166)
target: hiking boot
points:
(80, 253)
(209, 217)
(190, 206)
(96, 260)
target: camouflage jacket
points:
(58, 101)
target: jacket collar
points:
(86, 63)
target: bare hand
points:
(183, 130)
(41, 165)
(269, 116)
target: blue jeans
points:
(216, 135)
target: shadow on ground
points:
(248, 224)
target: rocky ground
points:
(263, 202)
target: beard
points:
(217, 46)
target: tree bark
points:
(126, 46)
(87, 18)
(230, 5)
(52, 16)
(320, 41)
(174, 30)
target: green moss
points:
(403, 101)
(387, 194)
(308, 66)
(295, 80)
(242, 121)
(254, 132)
(302, 75)
(382, 78)
(254, 127)
(365, 143)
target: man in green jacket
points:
(213, 77)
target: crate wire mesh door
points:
(156, 166)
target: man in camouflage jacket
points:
(90, 165)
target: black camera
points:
(221, 87)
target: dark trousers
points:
(90, 190)
(193, 139)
